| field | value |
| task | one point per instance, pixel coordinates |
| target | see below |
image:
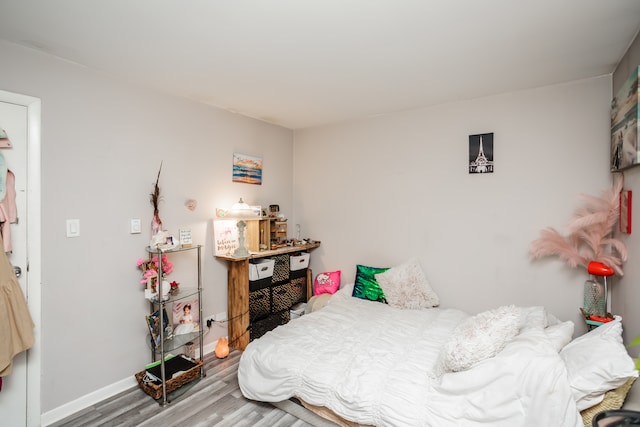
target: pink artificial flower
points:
(150, 273)
(150, 267)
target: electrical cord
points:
(210, 322)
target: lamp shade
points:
(599, 269)
(240, 210)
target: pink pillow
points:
(327, 283)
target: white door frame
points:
(34, 245)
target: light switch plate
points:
(73, 227)
(136, 226)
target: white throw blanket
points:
(373, 364)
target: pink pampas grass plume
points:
(589, 234)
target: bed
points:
(370, 363)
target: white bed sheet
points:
(373, 364)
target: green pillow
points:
(366, 286)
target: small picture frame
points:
(153, 323)
(257, 210)
(169, 243)
(185, 238)
(481, 153)
(186, 317)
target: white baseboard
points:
(61, 412)
(210, 348)
(85, 401)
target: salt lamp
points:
(222, 348)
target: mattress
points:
(373, 364)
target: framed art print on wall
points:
(247, 169)
(625, 147)
(481, 153)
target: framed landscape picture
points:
(625, 148)
(247, 169)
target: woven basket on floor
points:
(613, 399)
(155, 390)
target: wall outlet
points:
(222, 316)
(208, 321)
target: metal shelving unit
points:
(159, 304)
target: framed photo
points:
(247, 169)
(257, 210)
(625, 147)
(153, 322)
(186, 317)
(481, 153)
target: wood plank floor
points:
(214, 400)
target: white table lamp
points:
(240, 211)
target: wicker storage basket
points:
(287, 294)
(259, 303)
(280, 268)
(261, 327)
(154, 389)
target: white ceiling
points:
(302, 63)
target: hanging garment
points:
(16, 325)
(3, 177)
(8, 211)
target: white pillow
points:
(597, 362)
(560, 334)
(480, 337)
(406, 286)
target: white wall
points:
(626, 290)
(102, 143)
(379, 191)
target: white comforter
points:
(373, 364)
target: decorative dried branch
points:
(155, 195)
